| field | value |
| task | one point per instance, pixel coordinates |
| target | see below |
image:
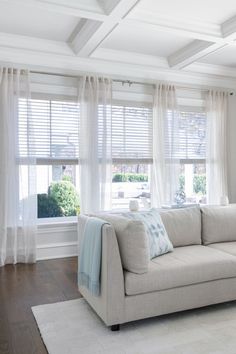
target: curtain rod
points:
(128, 82)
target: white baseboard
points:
(57, 250)
(57, 241)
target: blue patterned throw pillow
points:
(159, 242)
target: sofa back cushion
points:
(183, 226)
(132, 240)
(218, 224)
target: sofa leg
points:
(115, 327)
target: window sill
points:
(51, 222)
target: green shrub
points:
(67, 178)
(48, 207)
(130, 177)
(199, 183)
(137, 177)
(67, 198)
(181, 182)
(120, 177)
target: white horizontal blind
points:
(53, 132)
(187, 140)
(54, 125)
(131, 132)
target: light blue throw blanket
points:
(90, 256)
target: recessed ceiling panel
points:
(225, 56)
(142, 41)
(34, 22)
(211, 11)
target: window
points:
(132, 153)
(192, 154)
(51, 136)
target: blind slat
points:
(131, 132)
(188, 139)
(48, 129)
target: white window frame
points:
(54, 161)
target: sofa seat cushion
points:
(218, 224)
(228, 247)
(183, 226)
(185, 266)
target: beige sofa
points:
(200, 271)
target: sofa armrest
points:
(110, 304)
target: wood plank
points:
(23, 286)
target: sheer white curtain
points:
(17, 177)
(166, 165)
(95, 147)
(216, 152)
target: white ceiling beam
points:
(30, 50)
(198, 48)
(120, 8)
(15, 41)
(83, 34)
(129, 57)
(41, 61)
(192, 52)
(211, 69)
(228, 29)
(83, 9)
(89, 36)
(137, 59)
(108, 5)
(86, 38)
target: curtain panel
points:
(17, 178)
(216, 149)
(166, 164)
(95, 143)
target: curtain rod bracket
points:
(128, 82)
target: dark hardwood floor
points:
(23, 286)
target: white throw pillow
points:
(159, 242)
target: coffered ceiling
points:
(142, 37)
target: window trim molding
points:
(56, 161)
(61, 220)
(192, 161)
(126, 161)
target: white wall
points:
(57, 240)
(232, 149)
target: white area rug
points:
(72, 327)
